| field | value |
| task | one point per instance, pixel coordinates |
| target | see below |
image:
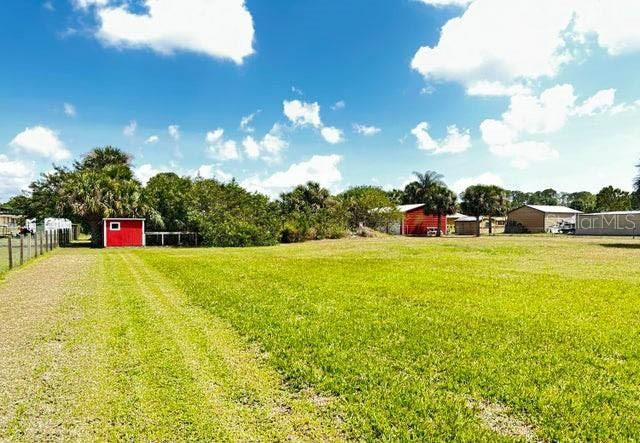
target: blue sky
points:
(527, 94)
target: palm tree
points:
(415, 191)
(439, 200)
(475, 203)
(479, 200)
(497, 202)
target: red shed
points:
(123, 232)
(416, 222)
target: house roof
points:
(613, 213)
(551, 209)
(407, 208)
(456, 216)
(469, 218)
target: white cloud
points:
(522, 154)
(320, 168)
(174, 132)
(340, 104)
(301, 113)
(487, 178)
(485, 88)
(70, 110)
(15, 176)
(438, 3)
(269, 148)
(332, 135)
(366, 130)
(210, 171)
(130, 129)
(599, 102)
(145, 172)
(151, 140)
(84, 4)
(297, 91)
(220, 29)
(454, 142)
(41, 141)
(246, 120)
(219, 148)
(529, 115)
(506, 41)
(214, 136)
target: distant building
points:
(9, 223)
(609, 223)
(537, 218)
(468, 225)
(451, 222)
(416, 222)
(118, 232)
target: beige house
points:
(537, 218)
(9, 223)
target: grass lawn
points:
(501, 338)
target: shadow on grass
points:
(79, 244)
(621, 245)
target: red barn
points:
(416, 222)
(123, 232)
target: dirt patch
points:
(31, 300)
(501, 420)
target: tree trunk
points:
(95, 226)
(439, 225)
(490, 226)
(477, 226)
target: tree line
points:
(102, 184)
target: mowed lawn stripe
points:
(406, 333)
(120, 356)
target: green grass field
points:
(502, 338)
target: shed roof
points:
(469, 218)
(122, 218)
(613, 213)
(550, 209)
(456, 216)
(407, 208)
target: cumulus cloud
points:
(143, 173)
(485, 88)
(599, 102)
(323, 169)
(210, 171)
(69, 109)
(15, 176)
(220, 29)
(301, 113)
(522, 154)
(246, 120)
(269, 148)
(487, 178)
(365, 129)
(151, 140)
(454, 142)
(340, 104)
(460, 3)
(332, 135)
(174, 132)
(130, 129)
(219, 148)
(530, 115)
(41, 141)
(506, 41)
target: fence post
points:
(10, 252)
(21, 249)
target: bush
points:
(228, 215)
